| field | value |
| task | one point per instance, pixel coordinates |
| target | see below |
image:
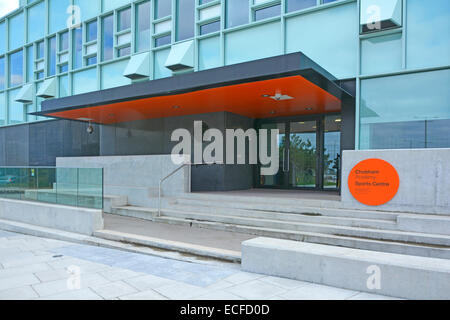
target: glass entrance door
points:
(302, 154)
(309, 153)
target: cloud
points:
(7, 6)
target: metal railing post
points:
(164, 179)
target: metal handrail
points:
(167, 177)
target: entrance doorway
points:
(309, 153)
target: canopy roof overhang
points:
(246, 89)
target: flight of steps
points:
(315, 221)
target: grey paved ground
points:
(39, 268)
(205, 237)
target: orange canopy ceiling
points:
(248, 99)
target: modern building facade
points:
(331, 75)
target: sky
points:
(8, 6)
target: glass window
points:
(112, 75)
(209, 53)
(2, 73)
(39, 75)
(16, 109)
(124, 20)
(40, 50)
(237, 12)
(88, 8)
(163, 8)
(2, 38)
(30, 63)
(2, 109)
(294, 5)
(36, 22)
(108, 33)
(160, 58)
(91, 32)
(77, 48)
(114, 4)
(205, 1)
(16, 69)
(84, 81)
(64, 41)
(381, 54)
(337, 52)
(16, 31)
(143, 26)
(185, 19)
(52, 56)
(332, 152)
(427, 33)
(58, 14)
(210, 27)
(63, 86)
(91, 61)
(161, 41)
(124, 51)
(328, 1)
(406, 111)
(63, 68)
(268, 12)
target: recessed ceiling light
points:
(281, 97)
(85, 119)
(308, 109)
(338, 120)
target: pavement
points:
(40, 268)
(190, 235)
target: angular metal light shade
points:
(48, 89)
(138, 67)
(181, 56)
(377, 15)
(25, 94)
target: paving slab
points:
(255, 290)
(21, 293)
(114, 290)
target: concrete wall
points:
(136, 177)
(424, 179)
(73, 219)
(398, 275)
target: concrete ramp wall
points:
(136, 177)
(66, 218)
(424, 179)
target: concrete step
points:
(189, 248)
(274, 206)
(289, 217)
(265, 199)
(112, 201)
(374, 272)
(390, 235)
(135, 212)
(365, 243)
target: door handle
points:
(284, 161)
(288, 160)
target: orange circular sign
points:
(373, 182)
